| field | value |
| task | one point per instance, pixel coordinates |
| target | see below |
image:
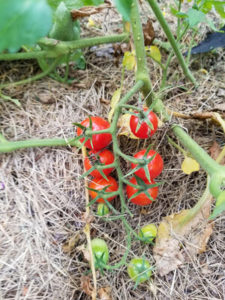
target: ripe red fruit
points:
(155, 166)
(142, 199)
(99, 141)
(100, 183)
(144, 130)
(104, 157)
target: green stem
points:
(62, 48)
(69, 46)
(206, 162)
(9, 146)
(25, 55)
(172, 40)
(142, 72)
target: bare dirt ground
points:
(42, 204)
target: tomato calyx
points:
(143, 163)
(102, 194)
(86, 132)
(139, 270)
(143, 187)
(143, 118)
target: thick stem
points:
(62, 48)
(206, 162)
(7, 146)
(172, 40)
(67, 47)
(142, 72)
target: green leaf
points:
(195, 17)
(220, 8)
(124, 8)
(23, 23)
(75, 4)
(63, 27)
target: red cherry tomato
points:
(99, 141)
(155, 166)
(144, 130)
(99, 183)
(141, 199)
(104, 157)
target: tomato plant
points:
(141, 199)
(99, 184)
(155, 166)
(100, 252)
(102, 209)
(141, 127)
(97, 141)
(148, 232)
(105, 157)
(139, 270)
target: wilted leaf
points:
(91, 22)
(70, 244)
(189, 165)
(105, 293)
(127, 26)
(129, 60)
(149, 33)
(87, 11)
(178, 240)
(124, 124)
(86, 286)
(215, 151)
(115, 99)
(154, 53)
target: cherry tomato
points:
(155, 166)
(141, 199)
(139, 270)
(99, 141)
(99, 183)
(148, 232)
(104, 157)
(100, 252)
(144, 130)
(102, 209)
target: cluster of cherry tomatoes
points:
(98, 156)
(143, 125)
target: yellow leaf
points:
(91, 23)
(127, 26)
(129, 60)
(154, 53)
(124, 124)
(115, 99)
(189, 165)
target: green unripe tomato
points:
(100, 252)
(139, 270)
(102, 209)
(148, 233)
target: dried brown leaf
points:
(105, 293)
(149, 33)
(178, 240)
(85, 252)
(215, 150)
(87, 11)
(69, 245)
(86, 286)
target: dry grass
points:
(43, 202)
